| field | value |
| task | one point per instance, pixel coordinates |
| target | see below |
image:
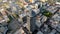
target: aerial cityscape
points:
(29, 16)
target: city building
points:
(3, 29)
(56, 17)
(19, 31)
(3, 12)
(40, 20)
(45, 29)
(39, 32)
(53, 32)
(29, 17)
(51, 9)
(43, 0)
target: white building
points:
(57, 2)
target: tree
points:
(47, 13)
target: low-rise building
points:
(51, 9)
(3, 29)
(45, 29)
(4, 15)
(19, 31)
(58, 28)
(56, 17)
(40, 20)
(53, 32)
(39, 32)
